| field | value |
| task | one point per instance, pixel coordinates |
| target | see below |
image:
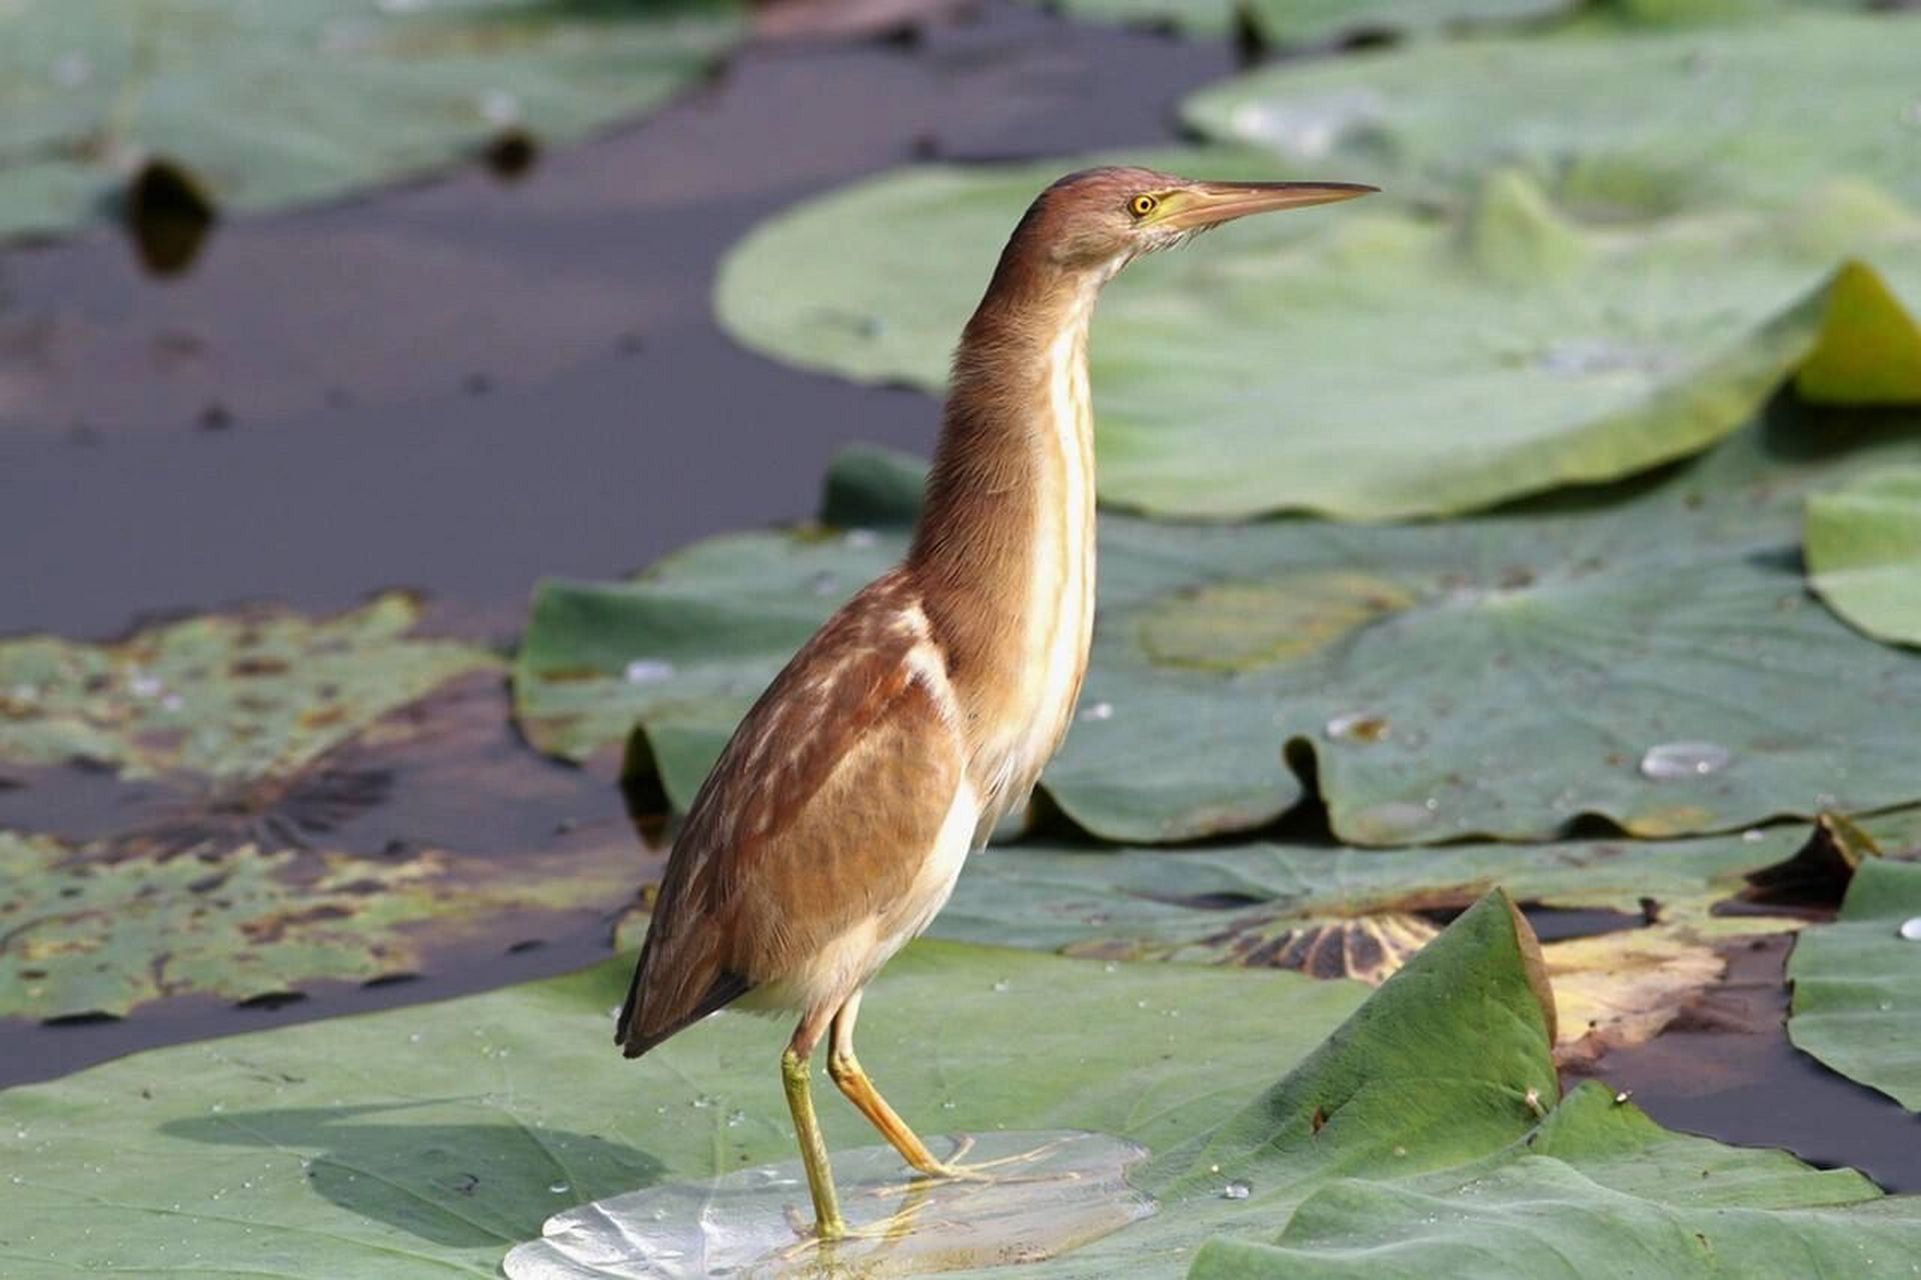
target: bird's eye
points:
(1141, 206)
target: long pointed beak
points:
(1208, 204)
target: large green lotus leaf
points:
(235, 696)
(1597, 1189)
(295, 100)
(429, 1139)
(1864, 553)
(1634, 122)
(1857, 983)
(1335, 912)
(1198, 904)
(1298, 22)
(1406, 1100)
(1648, 655)
(1313, 22)
(339, 1148)
(1366, 362)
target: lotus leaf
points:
(94, 930)
(339, 1147)
(1618, 122)
(1298, 22)
(1857, 983)
(1369, 362)
(1864, 553)
(1597, 1189)
(295, 100)
(1647, 654)
(281, 812)
(1335, 912)
(234, 696)
(432, 1138)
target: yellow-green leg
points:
(796, 1071)
(846, 1071)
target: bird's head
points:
(1100, 219)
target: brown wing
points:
(817, 814)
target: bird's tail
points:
(671, 992)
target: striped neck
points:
(1004, 552)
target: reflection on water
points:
(1042, 1195)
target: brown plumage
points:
(832, 828)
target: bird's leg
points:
(845, 1068)
(796, 1072)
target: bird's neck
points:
(1005, 548)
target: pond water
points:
(272, 425)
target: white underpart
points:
(904, 920)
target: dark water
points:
(464, 384)
(1727, 1069)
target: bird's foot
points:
(826, 1235)
(1007, 1168)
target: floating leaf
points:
(1864, 553)
(1617, 120)
(377, 1146)
(94, 930)
(1406, 1104)
(338, 1147)
(1596, 1186)
(1188, 904)
(1344, 362)
(295, 800)
(1300, 22)
(335, 97)
(234, 696)
(1653, 945)
(1647, 655)
(1857, 983)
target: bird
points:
(834, 824)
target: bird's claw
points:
(953, 1170)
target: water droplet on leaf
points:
(648, 671)
(1672, 760)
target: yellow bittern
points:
(835, 822)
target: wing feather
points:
(818, 814)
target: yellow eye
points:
(1141, 206)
